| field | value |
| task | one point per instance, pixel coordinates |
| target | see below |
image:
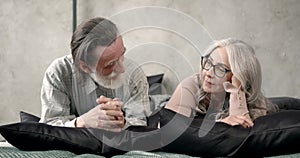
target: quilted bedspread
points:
(12, 152)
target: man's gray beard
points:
(107, 82)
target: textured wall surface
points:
(34, 32)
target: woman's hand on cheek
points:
(236, 82)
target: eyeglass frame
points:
(213, 66)
(115, 62)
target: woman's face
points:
(218, 60)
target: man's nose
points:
(120, 67)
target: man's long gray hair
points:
(90, 34)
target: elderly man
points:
(96, 87)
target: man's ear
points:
(84, 67)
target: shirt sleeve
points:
(184, 98)
(137, 107)
(237, 100)
(55, 100)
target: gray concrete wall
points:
(34, 32)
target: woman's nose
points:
(210, 72)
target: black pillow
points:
(273, 134)
(29, 135)
(286, 103)
(34, 136)
(220, 141)
(26, 117)
(155, 86)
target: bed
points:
(30, 139)
(33, 140)
(7, 151)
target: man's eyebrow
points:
(116, 58)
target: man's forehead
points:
(112, 47)
(115, 47)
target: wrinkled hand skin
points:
(106, 115)
(238, 110)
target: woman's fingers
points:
(246, 120)
(237, 120)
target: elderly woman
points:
(230, 73)
(228, 90)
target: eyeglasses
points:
(219, 69)
(113, 63)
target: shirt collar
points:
(90, 86)
(84, 81)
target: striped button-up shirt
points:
(67, 93)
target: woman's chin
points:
(207, 89)
(212, 90)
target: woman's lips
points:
(208, 84)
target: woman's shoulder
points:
(192, 81)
